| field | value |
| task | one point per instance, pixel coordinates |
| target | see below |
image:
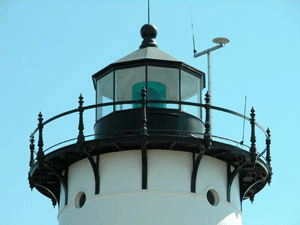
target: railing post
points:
(80, 137)
(144, 134)
(40, 154)
(268, 142)
(31, 150)
(253, 138)
(207, 134)
(268, 157)
(144, 129)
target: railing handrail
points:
(149, 101)
(239, 115)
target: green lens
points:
(155, 91)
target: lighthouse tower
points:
(153, 158)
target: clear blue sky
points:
(50, 49)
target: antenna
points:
(148, 11)
(194, 47)
(242, 142)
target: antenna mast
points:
(148, 11)
(194, 47)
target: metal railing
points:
(207, 136)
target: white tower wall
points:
(167, 200)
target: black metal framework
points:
(250, 166)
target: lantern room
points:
(169, 83)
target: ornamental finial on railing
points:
(253, 137)
(207, 134)
(268, 142)
(31, 150)
(40, 154)
(268, 157)
(251, 198)
(144, 129)
(80, 138)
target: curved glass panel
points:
(104, 95)
(163, 84)
(190, 92)
(126, 87)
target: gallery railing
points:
(207, 136)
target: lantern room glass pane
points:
(163, 84)
(104, 95)
(127, 86)
(190, 92)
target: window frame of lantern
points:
(146, 63)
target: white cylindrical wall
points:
(167, 200)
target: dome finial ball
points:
(148, 31)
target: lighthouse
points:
(153, 158)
